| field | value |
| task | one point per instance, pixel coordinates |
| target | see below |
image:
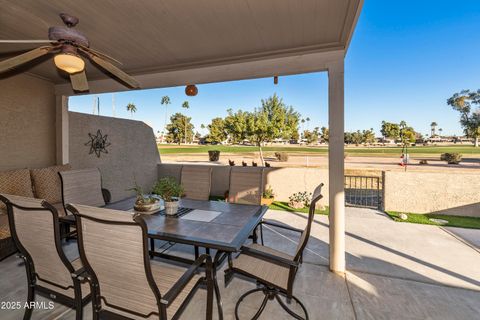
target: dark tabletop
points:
(227, 232)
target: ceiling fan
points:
(69, 45)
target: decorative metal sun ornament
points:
(98, 143)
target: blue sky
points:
(405, 60)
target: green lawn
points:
(453, 221)
(378, 151)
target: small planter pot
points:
(213, 155)
(296, 205)
(151, 207)
(171, 207)
(267, 201)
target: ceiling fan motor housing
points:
(70, 21)
(68, 35)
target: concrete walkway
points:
(396, 271)
(377, 245)
(470, 236)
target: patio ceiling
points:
(165, 37)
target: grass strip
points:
(281, 206)
(453, 221)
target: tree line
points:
(272, 120)
(275, 120)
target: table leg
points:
(216, 261)
(152, 247)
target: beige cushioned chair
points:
(274, 270)
(35, 229)
(246, 185)
(126, 283)
(82, 187)
(196, 181)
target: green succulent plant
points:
(168, 189)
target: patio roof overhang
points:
(170, 43)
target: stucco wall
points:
(284, 181)
(426, 192)
(27, 122)
(133, 152)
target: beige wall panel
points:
(428, 192)
(133, 152)
(27, 122)
(284, 181)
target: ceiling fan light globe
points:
(69, 63)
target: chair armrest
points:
(279, 225)
(268, 257)
(107, 196)
(168, 298)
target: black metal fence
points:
(363, 191)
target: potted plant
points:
(268, 196)
(299, 200)
(213, 155)
(144, 203)
(170, 191)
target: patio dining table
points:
(216, 225)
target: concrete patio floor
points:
(395, 271)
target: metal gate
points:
(363, 191)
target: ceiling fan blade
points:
(26, 41)
(98, 53)
(25, 57)
(79, 81)
(130, 81)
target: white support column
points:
(61, 105)
(336, 165)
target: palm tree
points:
(185, 105)
(165, 101)
(308, 123)
(433, 127)
(440, 130)
(131, 108)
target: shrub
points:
(268, 193)
(168, 188)
(281, 156)
(300, 199)
(451, 158)
(213, 155)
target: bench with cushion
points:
(43, 183)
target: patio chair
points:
(274, 270)
(196, 181)
(82, 187)
(126, 284)
(246, 185)
(34, 225)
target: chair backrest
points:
(246, 185)
(82, 187)
(317, 195)
(113, 248)
(196, 181)
(35, 229)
